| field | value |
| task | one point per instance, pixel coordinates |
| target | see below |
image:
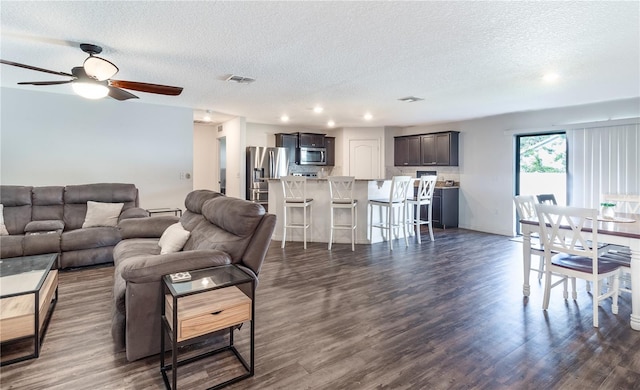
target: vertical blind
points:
(603, 160)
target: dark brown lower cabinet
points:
(445, 208)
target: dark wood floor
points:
(442, 315)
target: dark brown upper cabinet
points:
(330, 144)
(311, 140)
(439, 148)
(406, 151)
(289, 141)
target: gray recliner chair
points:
(223, 230)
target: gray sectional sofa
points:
(49, 220)
(222, 230)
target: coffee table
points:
(28, 295)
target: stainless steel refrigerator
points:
(263, 164)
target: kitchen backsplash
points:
(294, 168)
(444, 173)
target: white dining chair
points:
(393, 210)
(562, 231)
(294, 189)
(625, 203)
(620, 255)
(341, 192)
(525, 208)
(423, 197)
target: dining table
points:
(623, 229)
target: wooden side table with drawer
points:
(198, 308)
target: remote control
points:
(180, 277)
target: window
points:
(542, 165)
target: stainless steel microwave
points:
(311, 156)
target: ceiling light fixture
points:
(318, 109)
(410, 99)
(99, 68)
(551, 77)
(368, 116)
(87, 86)
(207, 116)
(90, 89)
(331, 123)
(284, 118)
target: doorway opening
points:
(541, 166)
(222, 164)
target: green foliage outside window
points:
(543, 154)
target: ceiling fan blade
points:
(44, 82)
(120, 94)
(34, 68)
(146, 87)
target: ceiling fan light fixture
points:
(89, 90)
(99, 68)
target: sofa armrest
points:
(133, 212)
(144, 269)
(149, 227)
(253, 257)
(44, 226)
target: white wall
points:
(56, 139)
(264, 135)
(487, 156)
(205, 157)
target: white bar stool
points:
(422, 198)
(294, 189)
(394, 207)
(341, 190)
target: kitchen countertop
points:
(439, 184)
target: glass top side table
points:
(200, 308)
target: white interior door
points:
(364, 158)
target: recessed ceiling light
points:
(550, 77)
(331, 123)
(284, 118)
(368, 116)
(318, 109)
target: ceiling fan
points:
(93, 80)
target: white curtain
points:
(603, 160)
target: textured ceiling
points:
(465, 59)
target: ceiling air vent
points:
(240, 79)
(201, 122)
(410, 99)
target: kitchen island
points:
(318, 189)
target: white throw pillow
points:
(173, 238)
(102, 214)
(3, 228)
